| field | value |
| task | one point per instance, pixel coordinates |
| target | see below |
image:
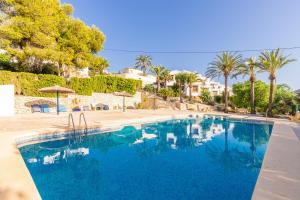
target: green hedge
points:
(28, 84)
(82, 86)
(104, 84)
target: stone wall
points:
(114, 102)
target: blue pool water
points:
(176, 159)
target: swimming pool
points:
(177, 159)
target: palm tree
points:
(143, 62)
(271, 61)
(181, 80)
(225, 65)
(166, 76)
(158, 70)
(192, 77)
(250, 68)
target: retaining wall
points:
(114, 102)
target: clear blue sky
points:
(194, 25)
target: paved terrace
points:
(279, 177)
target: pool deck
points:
(279, 177)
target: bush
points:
(149, 88)
(82, 86)
(284, 100)
(165, 93)
(175, 88)
(5, 61)
(206, 96)
(28, 84)
(218, 99)
(241, 95)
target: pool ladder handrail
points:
(69, 122)
(84, 120)
(267, 114)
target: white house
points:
(137, 75)
(215, 88)
(79, 73)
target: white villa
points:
(215, 88)
(137, 75)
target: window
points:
(195, 89)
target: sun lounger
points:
(44, 108)
(35, 108)
(101, 106)
(86, 108)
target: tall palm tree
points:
(226, 65)
(166, 76)
(143, 62)
(250, 68)
(271, 61)
(158, 70)
(192, 78)
(181, 80)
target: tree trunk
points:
(190, 92)
(226, 139)
(165, 84)
(226, 94)
(272, 85)
(252, 97)
(58, 69)
(158, 85)
(180, 93)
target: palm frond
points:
(225, 64)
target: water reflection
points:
(166, 136)
(238, 156)
(207, 153)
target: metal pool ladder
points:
(71, 119)
(85, 124)
(267, 114)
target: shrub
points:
(165, 93)
(218, 99)
(82, 86)
(284, 100)
(241, 95)
(28, 84)
(206, 96)
(149, 88)
(175, 88)
(5, 61)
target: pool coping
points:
(262, 188)
(279, 177)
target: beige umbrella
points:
(51, 104)
(123, 94)
(154, 97)
(57, 89)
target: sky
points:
(194, 25)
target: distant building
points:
(79, 73)
(215, 88)
(137, 75)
